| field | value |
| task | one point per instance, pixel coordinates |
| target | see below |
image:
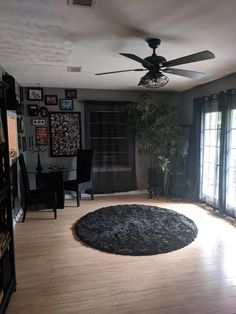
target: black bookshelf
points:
(7, 257)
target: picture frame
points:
(65, 133)
(20, 124)
(66, 104)
(21, 94)
(33, 110)
(41, 136)
(35, 93)
(50, 100)
(19, 142)
(43, 112)
(20, 109)
(23, 139)
(71, 93)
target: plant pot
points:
(158, 182)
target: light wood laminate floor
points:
(56, 274)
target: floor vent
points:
(87, 3)
(74, 69)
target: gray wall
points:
(142, 161)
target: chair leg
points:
(55, 213)
(92, 198)
(55, 206)
(78, 197)
(24, 213)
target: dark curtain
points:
(194, 150)
(229, 188)
(202, 106)
(223, 108)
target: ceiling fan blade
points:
(145, 63)
(199, 56)
(186, 73)
(121, 71)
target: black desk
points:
(52, 179)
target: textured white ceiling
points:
(39, 39)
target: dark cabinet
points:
(109, 135)
(7, 259)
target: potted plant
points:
(156, 132)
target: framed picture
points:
(20, 125)
(21, 94)
(65, 133)
(23, 143)
(41, 136)
(66, 104)
(35, 93)
(33, 110)
(50, 100)
(19, 141)
(43, 112)
(20, 109)
(70, 93)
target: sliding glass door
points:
(210, 152)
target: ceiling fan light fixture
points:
(153, 80)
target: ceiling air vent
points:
(74, 69)
(87, 3)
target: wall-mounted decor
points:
(43, 112)
(23, 143)
(50, 100)
(19, 142)
(21, 94)
(65, 133)
(70, 93)
(33, 110)
(41, 136)
(35, 93)
(20, 125)
(38, 122)
(20, 108)
(66, 104)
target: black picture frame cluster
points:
(36, 93)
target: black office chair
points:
(35, 197)
(83, 182)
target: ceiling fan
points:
(156, 65)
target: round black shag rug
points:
(136, 230)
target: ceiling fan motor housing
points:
(153, 42)
(156, 61)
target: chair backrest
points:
(84, 165)
(24, 175)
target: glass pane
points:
(232, 158)
(212, 120)
(210, 156)
(232, 143)
(233, 118)
(212, 138)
